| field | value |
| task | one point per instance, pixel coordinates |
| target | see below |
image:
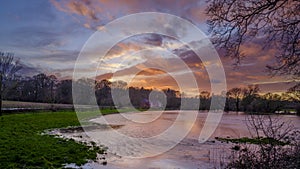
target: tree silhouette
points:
(236, 94)
(64, 91)
(276, 23)
(249, 95)
(8, 68)
(294, 94)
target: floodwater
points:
(188, 153)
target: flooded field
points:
(188, 153)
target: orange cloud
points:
(107, 10)
(151, 72)
(80, 8)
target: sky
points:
(49, 35)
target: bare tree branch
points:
(276, 23)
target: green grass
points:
(86, 115)
(23, 146)
(248, 140)
(33, 105)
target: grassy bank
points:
(32, 105)
(248, 140)
(23, 146)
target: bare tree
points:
(52, 85)
(8, 68)
(236, 94)
(204, 100)
(277, 144)
(294, 95)
(249, 95)
(271, 102)
(275, 23)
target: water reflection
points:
(189, 153)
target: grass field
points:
(23, 146)
(32, 105)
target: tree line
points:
(49, 89)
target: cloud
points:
(48, 38)
(151, 72)
(89, 12)
(36, 37)
(277, 80)
(276, 87)
(28, 70)
(82, 8)
(153, 39)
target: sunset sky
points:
(48, 35)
